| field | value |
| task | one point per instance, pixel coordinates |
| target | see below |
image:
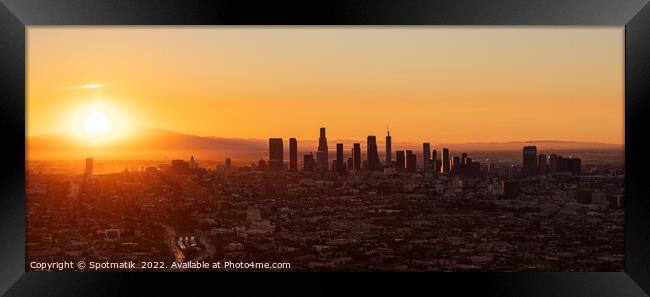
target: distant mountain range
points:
(147, 143)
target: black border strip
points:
(16, 14)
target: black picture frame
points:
(16, 15)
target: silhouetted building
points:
(542, 166)
(356, 156)
(193, 164)
(410, 161)
(553, 163)
(276, 154)
(322, 154)
(434, 161)
(309, 164)
(89, 166)
(293, 154)
(389, 148)
(228, 163)
(529, 160)
(438, 166)
(180, 166)
(446, 166)
(400, 161)
(510, 189)
(426, 156)
(261, 165)
(573, 165)
(340, 162)
(455, 166)
(373, 156)
(350, 163)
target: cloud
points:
(91, 86)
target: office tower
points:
(529, 160)
(228, 163)
(434, 161)
(293, 154)
(350, 164)
(334, 166)
(410, 161)
(89, 166)
(322, 161)
(356, 156)
(340, 163)
(426, 156)
(308, 163)
(276, 154)
(389, 148)
(261, 165)
(373, 156)
(553, 163)
(400, 161)
(542, 166)
(463, 161)
(455, 165)
(510, 189)
(446, 167)
(438, 167)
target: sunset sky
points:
(437, 84)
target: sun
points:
(97, 123)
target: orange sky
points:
(436, 84)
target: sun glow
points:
(98, 122)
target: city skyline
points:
(527, 84)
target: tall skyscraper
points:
(426, 157)
(446, 167)
(322, 161)
(293, 154)
(410, 161)
(89, 166)
(228, 163)
(276, 154)
(373, 156)
(434, 161)
(400, 161)
(356, 156)
(529, 160)
(456, 165)
(389, 148)
(309, 163)
(340, 163)
(542, 166)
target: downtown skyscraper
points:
(446, 166)
(322, 162)
(426, 157)
(276, 154)
(356, 156)
(529, 160)
(389, 148)
(373, 156)
(293, 154)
